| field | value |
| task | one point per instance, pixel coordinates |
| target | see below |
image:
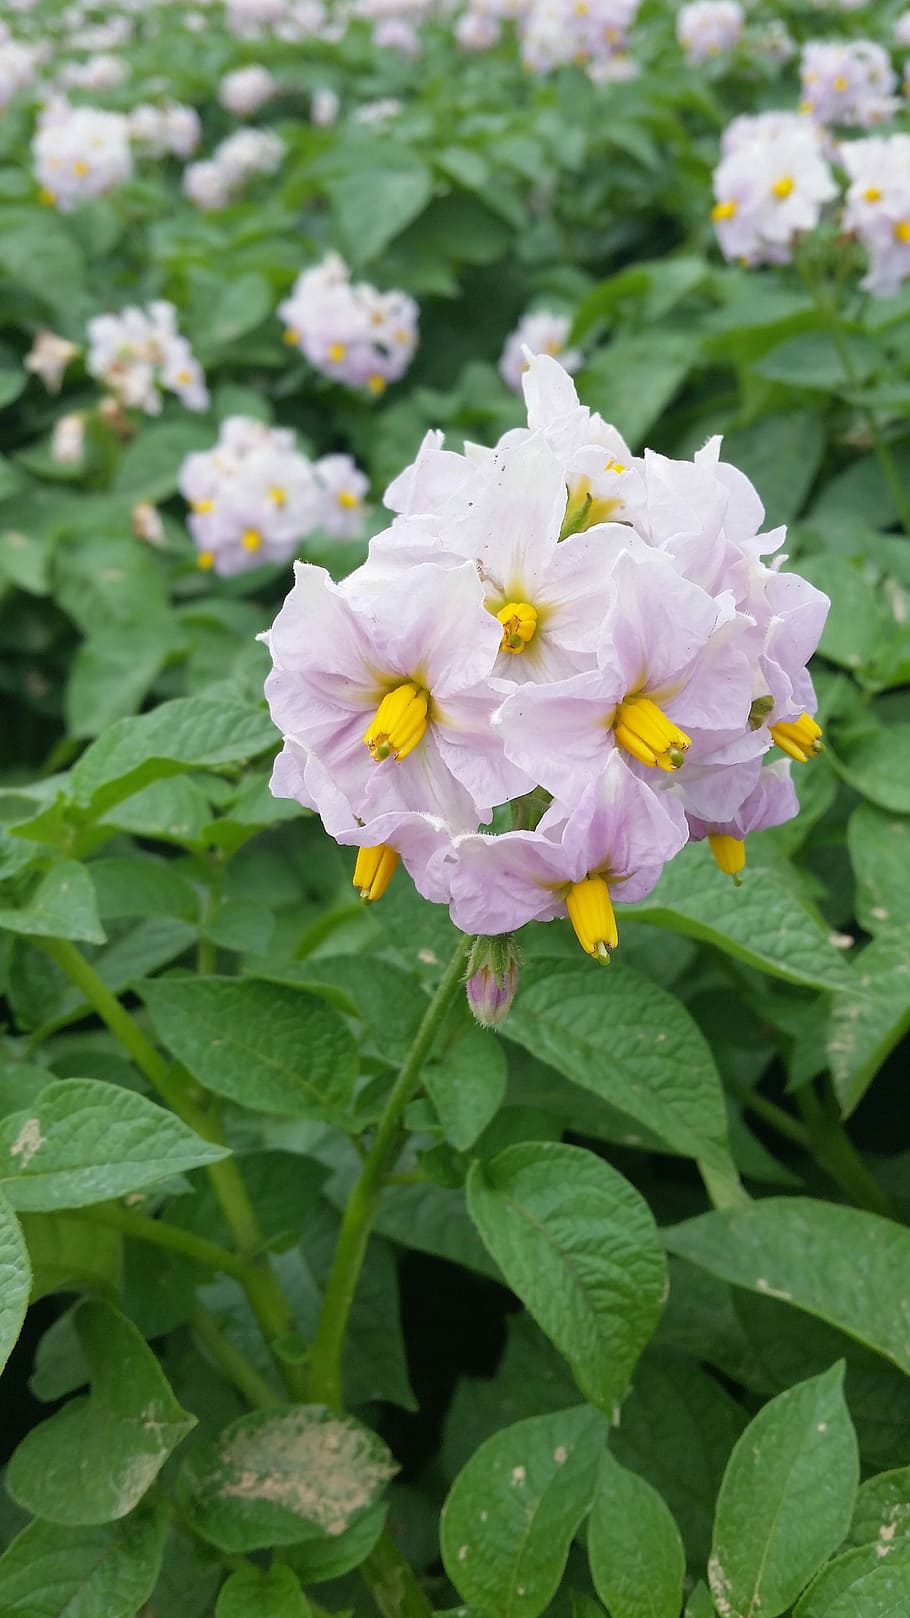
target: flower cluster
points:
(348, 330)
(254, 496)
(17, 68)
(540, 332)
(770, 186)
(285, 19)
(247, 89)
(707, 28)
(138, 352)
(878, 207)
(173, 129)
(212, 184)
(98, 73)
(591, 33)
(80, 152)
(848, 82)
(558, 664)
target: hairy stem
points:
(324, 1374)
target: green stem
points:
(139, 1227)
(776, 1116)
(324, 1374)
(880, 445)
(392, 1582)
(261, 1284)
(834, 1152)
(236, 1367)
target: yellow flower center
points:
(902, 230)
(251, 539)
(80, 168)
(348, 500)
(590, 911)
(278, 495)
(723, 210)
(205, 560)
(291, 337)
(202, 507)
(872, 194)
(783, 187)
(398, 724)
(374, 870)
(376, 383)
(800, 738)
(840, 83)
(337, 352)
(807, 106)
(183, 378)
(519, 625)
(46, 197)
(729, 852)
(644, 730)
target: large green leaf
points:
(15, 1280)
(632, 1043)
(835, 1262)
(879, 846)
(866, 1025)
(253, 1592)
(882, 1512)
(93, 1460)
(282, 1476)
(761, 922)
(786, 1500)
(54, 1572)
(636, 1555)
(871, 1581)
(84, 1141)
(580, 1247)
(274, 1049)
(374, 204)
(62, 906)
(611, 382)
(514, 1510)
(466, 1086)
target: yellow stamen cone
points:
(399, 723)
(519, 625)
(644, 730)
(336, 352)
(723, 210)
(205, 560)
(590, 911)
(800, 738)
(374, 871)
(251, 539)
(729, 852)
(783, 188)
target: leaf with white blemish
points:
(862, 1583)
(279, 1477)
(637, 1558)
(786, 1499)
(882, 1512)
(579, 1246)
(514, 1510)
(93, 1460)
(83, 1141)
(53, 1572)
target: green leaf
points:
(811, 360)
(62, 906)
(374, 205)
(866, 1026)
(872, 1581)
(611, 382)
(882, 1510)
(319, 1559)
(762, 922)
(100, 576)
(579, 1246)
(69, 1255)
(781, 454)
(879, 846)
(274, 1049)
(151, 465)
(83, 1141)
(239, 307)
(467, 1086)
(834, 1262)
(636, 1555)
(113, 669)
(281, 1476)
(54, 1572)
(140, 885)
(189, 733)
(786, 1500)
(254, 1593)
(877, 764)
(24, 560)
(15, 1280)
(514, 1510)
(660, 1073)
(93, 1460)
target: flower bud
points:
(491, 979)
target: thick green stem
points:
(834, 1152)
(776, 1116)
(236, 1367)
(139, 1227)
(392, 1582)
(324, 1374)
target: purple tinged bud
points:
(491, 979)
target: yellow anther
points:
(902, 230)
(80, 168)
(800, 738)
(723, 210)
(519, 625)
(401, 336)
(841, 83)
(554, 346)
(374, 871)
(399, 723)
(336, 352)
(590, 911)
(872, 194)
(202, 507)
(783, 187)
(348, 500)
(251, 539)
(644, 730)
(205, 560)
(291, 337)
(376, 383)
(729, 852)
(277, 495)
(807, 106)
(48, 198)
(183, 378)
